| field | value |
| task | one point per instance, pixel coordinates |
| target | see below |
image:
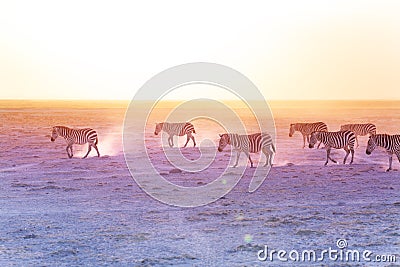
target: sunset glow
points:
(289, 49)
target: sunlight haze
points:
(292, 50)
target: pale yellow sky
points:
(289, 49)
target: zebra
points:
(76, 136)
(248, 144)
(390, 142)
(360, 129)
(306, 129)
(177, 128)
(341, 139)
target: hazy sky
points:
(289, 49)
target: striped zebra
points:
(249, 144)
(341, 139)
(306, 129)
(390, 142)
(76, 136)
(177, 128)
(359, 129)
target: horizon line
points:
(176, 100)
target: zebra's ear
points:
(220, 135)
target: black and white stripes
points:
(179, 129)
(360, 129)
(390, 142)
(306, 129)
(76, 136)
(249, 144)
(341, 139)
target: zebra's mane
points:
(61, 127)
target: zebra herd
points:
(346, 138)
(315, 132)
(247, 144)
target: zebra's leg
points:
(98, 153)
(357, 142)
(352, 155)
(347, 154)
(327, 156)
(268, 154)
(171, 141)
(89, 149)
(304, 141)
(328, 153)
(69, 155)
(248, 155)
(187, 140)
(390, 161)
(194, 142)
(237, 158)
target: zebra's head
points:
(158, 129)
(292, 130)
(223, 142)
(313, 139)
(371, 145)
(54, 134)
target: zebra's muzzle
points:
(310, 146)
(368, 152)
(155, 133)
(219, 150)
(52, 139)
